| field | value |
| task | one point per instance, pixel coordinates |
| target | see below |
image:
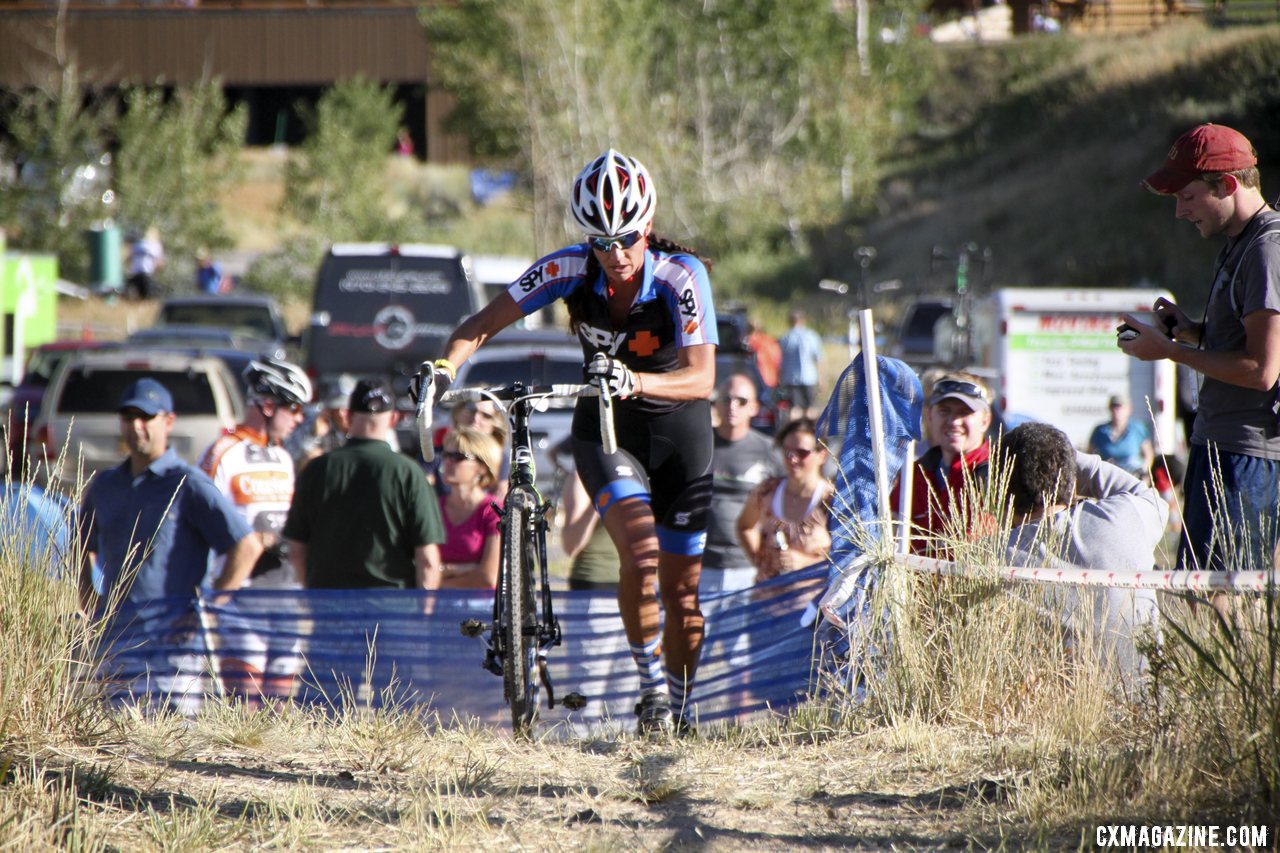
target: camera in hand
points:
(1125, 332)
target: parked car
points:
(731, 327)
(24, 404)
(247, 316)
(913, 342)
(79, 413)
(188, 337)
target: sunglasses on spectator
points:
(622, 241)
(958, 386)
(458, 456)
(799, 453)
(740, 401)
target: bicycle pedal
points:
(473, 628)
(574, 701)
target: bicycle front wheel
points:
(520, 665)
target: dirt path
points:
(250, 781)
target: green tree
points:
(755, 116)
(335, 184)
(59, 186)
(176, 156)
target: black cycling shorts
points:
(664, 459)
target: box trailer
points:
(1052, 356)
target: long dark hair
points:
(576, 302)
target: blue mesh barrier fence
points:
(376, 647)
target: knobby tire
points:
(519, 665)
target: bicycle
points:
(524, 626)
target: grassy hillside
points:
(1036, 149)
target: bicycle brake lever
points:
(426, 389)
(608, 436)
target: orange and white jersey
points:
(255, 476)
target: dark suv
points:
(248, 316)
(381, 310)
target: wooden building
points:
(268, 55)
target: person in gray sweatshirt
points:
(1071, 508)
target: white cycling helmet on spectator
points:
(613, 195)
(277, 380)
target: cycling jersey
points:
(257, 478)
(664, 454)
(672, 310)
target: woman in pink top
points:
(469, 467)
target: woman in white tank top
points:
(783, 526)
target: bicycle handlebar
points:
(506, 393)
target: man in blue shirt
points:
(798, 379)
(153, 520)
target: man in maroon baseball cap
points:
(1207, 148)
(1233, 468)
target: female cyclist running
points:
(645, 302)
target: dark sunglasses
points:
(958, 386)
(741, 401)
(622, 241)
(800, 453)
(136, 415)
(458, 456)
(291, 408)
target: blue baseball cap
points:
(147, 395)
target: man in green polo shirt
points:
(364, 516)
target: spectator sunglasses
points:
(958, 386)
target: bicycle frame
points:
(523, 495)
(523, 591)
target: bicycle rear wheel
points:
(519, 664)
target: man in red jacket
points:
(943, 501)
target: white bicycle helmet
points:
(613, 195)
(276, 379)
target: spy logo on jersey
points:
(531, 280)
(688, 303)
(602, 339)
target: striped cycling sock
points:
(648, 658)
(680, 689)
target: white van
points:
(1053, 355)
(496, 273)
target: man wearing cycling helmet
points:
(645, 302)
(248, 464)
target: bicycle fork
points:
(545, 627)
